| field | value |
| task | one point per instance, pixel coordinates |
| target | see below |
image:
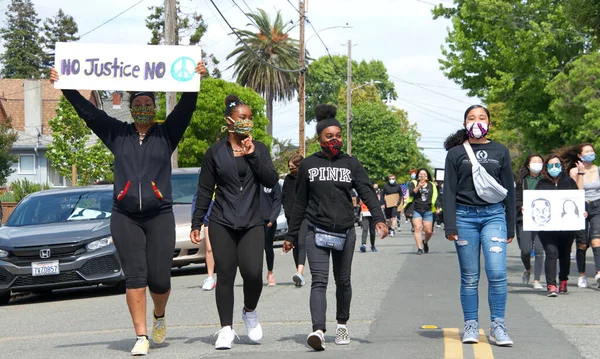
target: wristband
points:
(581, 173)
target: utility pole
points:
(170, 36)
(301, 85)
(349, 101)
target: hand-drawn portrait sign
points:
(127, 67)
(560, 210)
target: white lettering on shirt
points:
(334, 174)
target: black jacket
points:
(324, 194)
(142, 172)
(270, 203)
(288, 194)
(564, 182)
(390, 189)
(520, 187)
(237, 205)
(460, 189)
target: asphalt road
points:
(396, 293)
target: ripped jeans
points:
(482, 228)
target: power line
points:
(337, 71)
(430, 105)
(244, 1)
(249, 48)
(111, 19)
(298, 11)
(425, 88)
(243, 12)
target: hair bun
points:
(231, 99)
(323, 112)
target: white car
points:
(184, 183)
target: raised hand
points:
(248, 145)
(201, 69)
(53, 75)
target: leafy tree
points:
(282, 151)
(70, 146)
(190, 26)
(208, 120)
(60, 28)
(23, 54)
(326, 79)
(576, 103)
(271, 41)
(8, 136)
(507, 52)
(585, 14)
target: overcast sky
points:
(401, 33)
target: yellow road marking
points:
(483, 350)
(452, 344)
(429, 327)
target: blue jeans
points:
(482, 228)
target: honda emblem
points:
(44, 253)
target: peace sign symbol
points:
(183, 69)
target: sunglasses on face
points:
(557, 165)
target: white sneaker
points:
(582, 282)
(341, 335)
(209, 284)
(538, 286)
(253, 328)
(141, 346)
(298, 279)
(597, 279)
(316, 340)
(225, 338)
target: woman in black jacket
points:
(237, 165)
(557, 244)
(288, 194)
(324, 198)
(529, 176)
(142, 222)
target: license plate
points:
(44, 268)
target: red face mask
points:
(332, 146)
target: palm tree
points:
(271, 41)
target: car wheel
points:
(4, 298)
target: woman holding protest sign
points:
(324, 196)
(557, 244)
(238, 166)
(480, 215)
(142, 222)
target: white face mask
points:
(392, 181)
(536, 167)
(477, 130)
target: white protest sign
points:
(127, 67)
(553, 210)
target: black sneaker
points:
(420, 251)
(426, 247)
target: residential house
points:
(31, 104)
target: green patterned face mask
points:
(242, 127)
(143, 115)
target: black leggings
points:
(299, 250)
(557, 245)
(269, 238)
(145, 247)
(528, 241)
(368, 225)
(232, 249)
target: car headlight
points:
(3, 253)
(100, 243)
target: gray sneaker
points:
(471, 335)
(498, 333)
(525, 277)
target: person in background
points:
(209, 282)
(408, 207)
(391, 190)
(580, 160)
(557, 244)
(440, 214)
(368, 227)
(530, 174)
(270, 205)
(477, 226)
(288, 194)
(424, 196)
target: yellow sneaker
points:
(141, 346)
(159, 330)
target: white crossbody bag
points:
(486, 186)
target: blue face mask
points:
(590, 157)
(555, 171)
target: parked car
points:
(184, 184)
(59, 239)
(282, 226)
